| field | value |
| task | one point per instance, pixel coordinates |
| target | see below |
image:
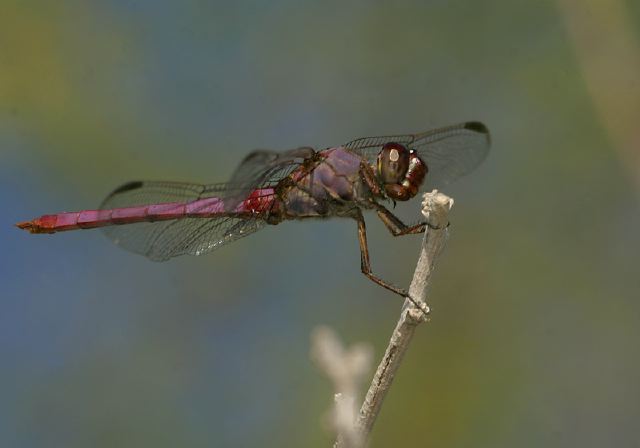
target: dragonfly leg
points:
(370, 179)
(365, 264)
(397, 227)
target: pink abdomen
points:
(259, 202)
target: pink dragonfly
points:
(161, 220)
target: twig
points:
(346, 369)
(435, 207)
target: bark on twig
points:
(435, 208)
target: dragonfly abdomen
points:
(90, 219)
(258, 203)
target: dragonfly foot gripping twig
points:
(435, 208)
(345, 368)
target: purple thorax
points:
(329, 189)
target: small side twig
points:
(435, 208)
(346, 368)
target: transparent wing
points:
(449, 152)
(368, 145)
(162, 240)
(264, 169)
(152, 192)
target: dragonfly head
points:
(400, 171)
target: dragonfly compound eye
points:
(401, 171)
(393, 163)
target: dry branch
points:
(435, 208)
(347, 369)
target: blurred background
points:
(534, 337)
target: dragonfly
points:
(162, 220)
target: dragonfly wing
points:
(162, 240)
(264, 169)
(370, 146)
(452, 152)
(449, 152)
(152, 192)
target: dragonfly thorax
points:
(400, 171)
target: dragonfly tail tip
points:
(27, 225)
